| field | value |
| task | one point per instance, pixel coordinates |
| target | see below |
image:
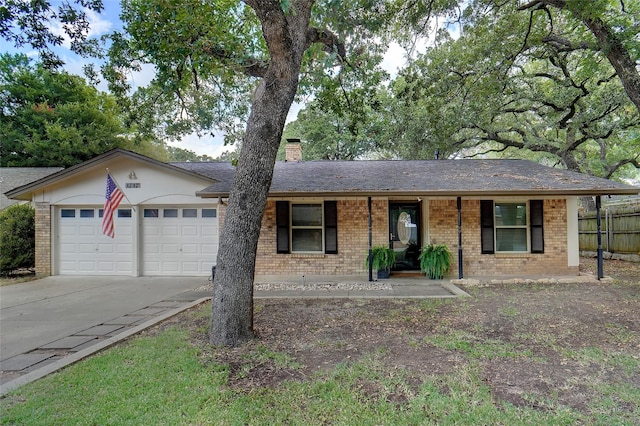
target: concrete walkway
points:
(53, 322)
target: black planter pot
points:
(383, 274)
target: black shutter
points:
(486, 226)
(536, 212)
(282, 225)
(330, 227)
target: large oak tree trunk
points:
(232, 305)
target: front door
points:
(404, 234)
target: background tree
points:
(29, 23)
(615, 26)
(326, 135)
(502, 86)
(53, 118)
(17, 238)
(183, 155)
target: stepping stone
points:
(148, 311)
(68, 342)
(20, 362)
(124, 320)
(166, 304)
(99, 330)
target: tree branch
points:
(611, 169)
(331, 42)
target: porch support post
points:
(599, 225)
(370, 240)
(460, 267)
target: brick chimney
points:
(293, 150)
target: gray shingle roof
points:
(425, 177)
(13, 177)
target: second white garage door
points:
(179, 240)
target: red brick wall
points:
(353, 242)
(442, 228)
(443, 222)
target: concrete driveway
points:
(35, 313)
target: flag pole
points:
(121, 190)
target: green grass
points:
(166, 380)
(163, 380)
(466, 342)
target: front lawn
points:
(510, 354)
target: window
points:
(124, 212)
(512, 227)
(190, 213)
(68, 213)
(209, 213)
(306, 227)
(170, 213)
(88, 213)
(150, 213)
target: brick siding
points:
(43, 239)
(443, 223)
(353, 241)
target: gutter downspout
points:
(370, 241)
(460, 264)
(599, 225)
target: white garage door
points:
(84, 250)
(179, 240)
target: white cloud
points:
(98, 25)
(212, 146)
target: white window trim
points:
(292, 227)
(526, 226)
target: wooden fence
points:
(620, 227)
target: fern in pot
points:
(383, 259)
(435, 260)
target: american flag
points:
(113, 198)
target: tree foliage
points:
(32, 23)
(17, 238)
(53, 118)
(215, 59)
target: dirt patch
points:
(532, 345)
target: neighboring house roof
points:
(13, 177)
(23, 191)
(422, 177)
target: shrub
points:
(17, 238)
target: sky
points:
(108, 20)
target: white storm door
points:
(82, 248)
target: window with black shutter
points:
(307, 227)
(536, 216)
(486, 226)
(505, 228)
(330, 227)
(282, 225)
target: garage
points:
(84, 250)
(175, 240)
(179, 240)
(162, 226)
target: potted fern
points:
(383, 258)
(435, 260)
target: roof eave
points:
(24, 190)
(463, 193)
